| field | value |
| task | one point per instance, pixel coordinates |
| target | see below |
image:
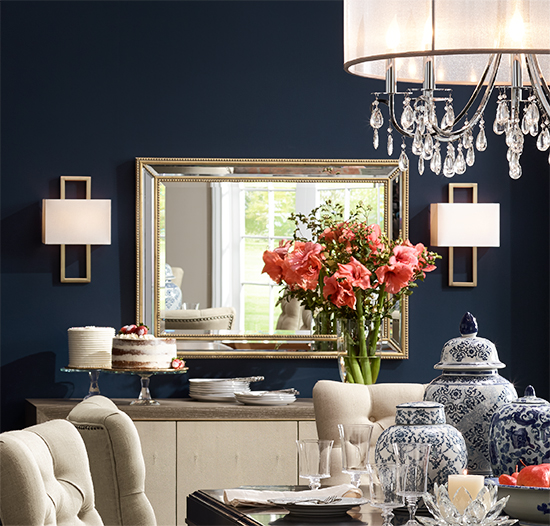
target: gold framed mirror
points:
(202, 226)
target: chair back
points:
(342, 403)
(116, 462)
(45, 477)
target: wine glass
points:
(413, 474)
(355, 441)
(385, 489)
(314, 460)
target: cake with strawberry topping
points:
(134, 348)
(90, 347)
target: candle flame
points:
(465, 472)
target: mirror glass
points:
(202, 228)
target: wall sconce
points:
(76, 222)
(464, 225)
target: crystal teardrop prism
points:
(420, 165)
(534, 129)
(407, 117)
(503, 114)
(417, 143)
(525, 124)
(403, 162)
(470, 156)
(543, 140)
(435, 163)
(448, 167)
(376, 118)
(460, 163)
(390, 143)
(481, 141)
(428, 148)
(499, 127)
(514, 139)
(515, 169)
(375, 139)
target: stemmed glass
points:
(413, 474)
(355, 441)
(314, 460)
(385, 489)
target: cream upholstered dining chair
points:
(45, 478)
(116, 462)
(342, 403)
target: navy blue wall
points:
(89, 86)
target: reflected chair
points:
(341, 403)
(45, 477)
(116, 462)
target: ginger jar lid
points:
(420, 413)
(530, 398)
(469, 352)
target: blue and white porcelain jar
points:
(424, 423)
(520, 432)
(173, 294)
(471, 390)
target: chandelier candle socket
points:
(487, 44)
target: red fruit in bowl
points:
(507, 480)
(537, 476)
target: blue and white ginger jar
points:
(173, 294)
(520, 432)
(424, 423)
(471, 390)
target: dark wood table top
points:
(206, 508)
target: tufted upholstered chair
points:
(45, 479)
(116, 462)
(341, 403)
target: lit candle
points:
(471, 483)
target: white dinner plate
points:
(312, 509)
(212, 398)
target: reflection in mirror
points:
(203, 226)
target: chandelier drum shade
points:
(484, 43)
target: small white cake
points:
(90, 347)
(130, 351)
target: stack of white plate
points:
(266, 397)
(219, 389)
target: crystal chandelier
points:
(485, 43)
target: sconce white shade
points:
(76, 221)
(465, 224)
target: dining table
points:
(206, 507)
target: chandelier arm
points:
(391, 106)
(540, 88)
(476, 92)
(453, 135)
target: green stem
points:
(362, 339)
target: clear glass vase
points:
(324, 324)
(358, 350)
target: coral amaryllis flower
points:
(273, 265)
(356, 273)
(395, 276)
(404, 254)
(302, 266)
(339, 292)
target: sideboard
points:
(190, 445)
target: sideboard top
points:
(43, 409)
